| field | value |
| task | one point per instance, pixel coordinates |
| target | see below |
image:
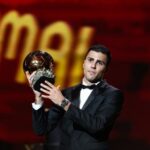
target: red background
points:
(124, 27)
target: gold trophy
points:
(43, 64)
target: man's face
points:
(94, 66)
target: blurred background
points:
(66, 29)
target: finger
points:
(27, 74)
(50, 84)
(45, 96)
(32, 74)
(31, 77)
(36, 92)
(45, 91)
(58, 87)
(28, 78)
(45, 86)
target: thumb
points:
(58, 87)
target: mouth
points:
(92, 72)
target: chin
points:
(91, 80)
(94, 80)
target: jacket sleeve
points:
(103, 117)
(45, 121)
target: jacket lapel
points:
(96, 91)
(75, 95)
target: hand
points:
(51, 92)
(38, 98)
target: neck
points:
(86, 82)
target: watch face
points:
(43, 64)
(64, 103)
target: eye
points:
(101, 63)
(90, 59)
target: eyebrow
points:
(96, 60)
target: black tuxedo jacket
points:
(82, 129)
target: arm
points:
(43, 121)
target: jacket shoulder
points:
(112, 92)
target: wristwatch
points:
(64, 103)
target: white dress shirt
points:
(37, 106)
(84, 94)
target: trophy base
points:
(37, 86)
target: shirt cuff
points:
(37, 106)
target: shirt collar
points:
(83, 82)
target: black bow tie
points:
(88, 86)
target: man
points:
(84, 113)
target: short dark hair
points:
(103, 49)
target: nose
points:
(93, 65)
